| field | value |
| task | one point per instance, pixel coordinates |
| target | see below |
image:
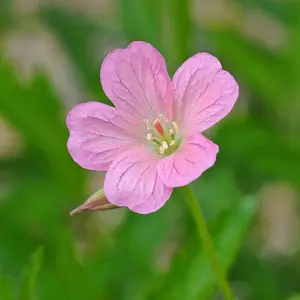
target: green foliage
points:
(26, 290)
(6, 289)
(142, 20)
(257, 66)
(295, 297)
(35, 112)
(191, 269)
(78, 35)
(28, 285)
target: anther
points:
(149, 136)
(161, 150)
(165, 145)
(172, 143)
(158, 127)
(175, 126)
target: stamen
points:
(172, 143)
(161, 150)
(165, 145)
(175, 126)
(171, 134)
(158, 127)
(149, 136)
(156, 140)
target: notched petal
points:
(204, 93)
(132, 181)
(136, 80)
(99, 133)
(195, 155)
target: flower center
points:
(163, 135)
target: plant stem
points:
(207, 242)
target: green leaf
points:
(5, 14)
(209, 190)
(178, 32)
(281, 10)
(6, 290)
(192, 272)
(259, 68)
(138, 240)
(141, 20)
(254, 141)
(293, 63)
(34, 110)
(77, 34)
(294, 297)
(28, 285)
(260, 276)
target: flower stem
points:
(207, 242)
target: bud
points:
(97, 201)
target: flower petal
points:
(132, 181)
(195, 155)
(99, 133)
(136, 80)
(203, 92)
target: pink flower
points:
(151, 141)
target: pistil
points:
(159, 127)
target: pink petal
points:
(195, 155)
(136, 80)
(203, 92)
(132, 181)
(99, 133)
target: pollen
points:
(165, 145)
(149, 136)
(161, 150)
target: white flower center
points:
(163, 135)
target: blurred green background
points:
(50, 55)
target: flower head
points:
(151, 141)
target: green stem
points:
(207, 243)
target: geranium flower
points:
(151, 141)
